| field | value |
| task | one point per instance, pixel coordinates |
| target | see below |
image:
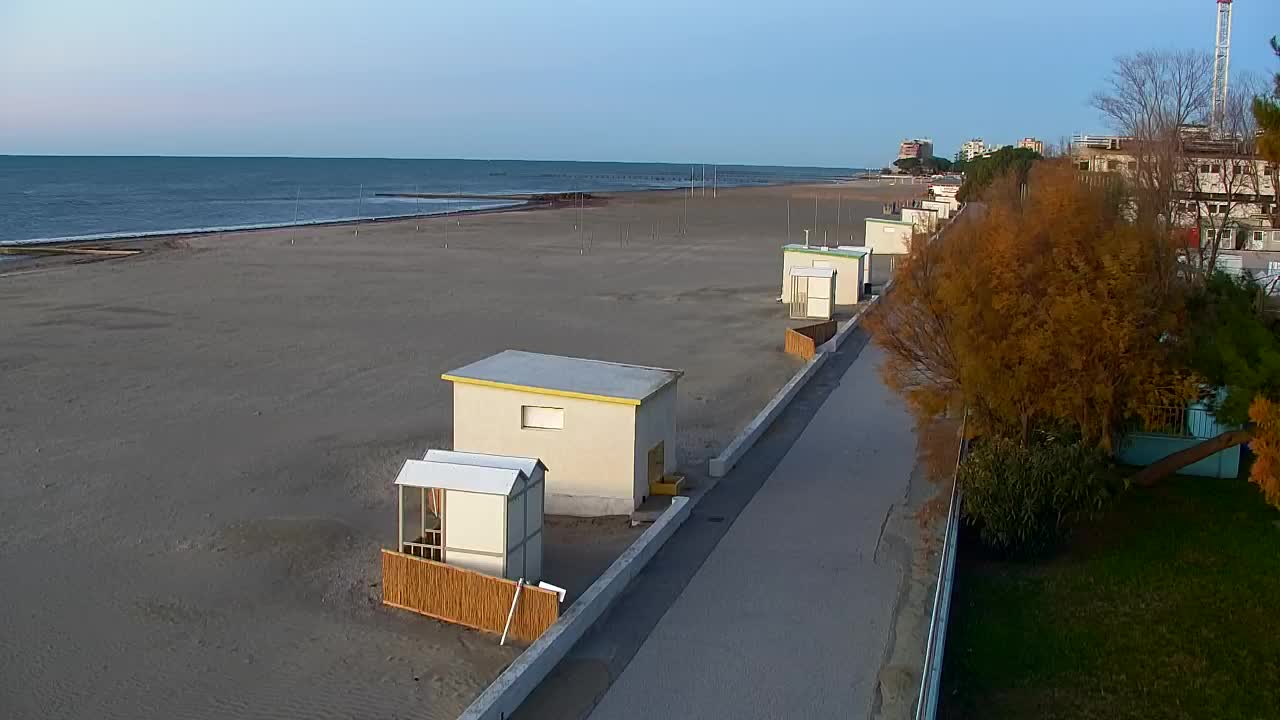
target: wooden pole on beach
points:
(297, 197)
(417, 209)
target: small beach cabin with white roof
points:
(480, 512)
(887, 236)
(923, 219)
(943, 206)
(605, 429)
(813, 291)
(851, 265)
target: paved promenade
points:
(791, 613)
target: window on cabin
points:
(537, 417)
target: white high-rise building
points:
(972, 149)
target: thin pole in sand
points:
(359, 209)
(715, 180)
(815, 213)
(296, 199)
(417, 208)
(837, 218)
(788, 220)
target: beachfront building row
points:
(976, 148)
(1224, 193)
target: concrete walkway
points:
(791, 613)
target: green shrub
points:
(1024, 499)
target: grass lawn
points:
(1166, 607)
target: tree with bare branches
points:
(1150, 97)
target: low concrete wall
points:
(515, 683)
(1142, 449)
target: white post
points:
(359, 209)
(806, 237)
(512, 612)
(296, 199)
(400, 495)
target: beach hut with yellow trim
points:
(606, 430)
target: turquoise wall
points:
(1142, 449)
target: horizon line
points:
(417, 159)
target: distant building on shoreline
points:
(971, 149)
(919, 148)
(1030, 143)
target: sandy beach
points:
(197, 443)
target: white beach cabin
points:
(480, 512)
(944, 207)
(922, 219)
(813, 293)
(852, 266)
(607, 430)
(889, 237)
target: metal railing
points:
(931, 676)
(1176, 421)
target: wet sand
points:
(197, 443)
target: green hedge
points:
(1023, 499)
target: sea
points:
(60, 198)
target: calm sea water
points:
(47, 198)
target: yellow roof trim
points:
(539, 390)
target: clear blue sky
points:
(798, 82)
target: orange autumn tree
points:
(1045, 309)
(1264, 413)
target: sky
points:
(801, 82)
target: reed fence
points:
(465, 597)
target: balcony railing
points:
(1174, 421)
